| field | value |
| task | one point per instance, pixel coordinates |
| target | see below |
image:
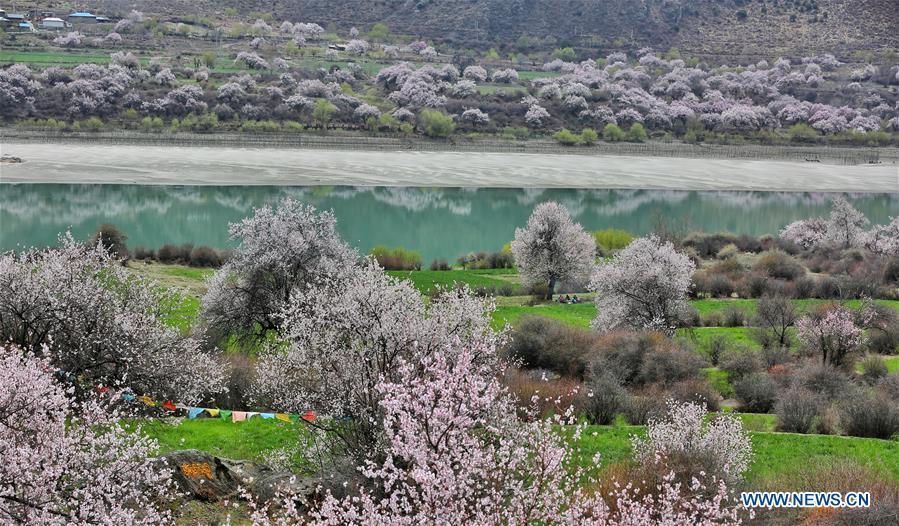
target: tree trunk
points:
(550, 288)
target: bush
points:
(543, 343)
(439, 264)
(891, 272)
(757, 393)
(797, 411)
(168, 253)
(870, 415)
(741, 362)
(697, 391)
(716, 347)
(589, 136)
(553, 396)
(728, 251)
(780, 265)
(621, 354)
(112, 239)
(773, 355)
(873, 368)
(670, 364)
(565, 137)
(144, 254)
(436, 124)
(397, 258)
(720, 286)
(641, 408)
(613, 133)
(804, 287)
(828, 289)
(713, 319)
(516, 133)
(612, 239)
(204, 256)
(637, 133)
(755, 286)
(826, 380)
(604, 399)
(734, 317)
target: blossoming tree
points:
(644, 286)
(553, 248)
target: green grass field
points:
(775, 453)
(427, 280)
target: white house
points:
(53, 23)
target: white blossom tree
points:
(335, 352)
(100, 324)
(846, 226)
(552, 248)
(281, 250)
(644, 287)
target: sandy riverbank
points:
(210, 165)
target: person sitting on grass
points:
(561, 299)
(575, 299)
(567, 298)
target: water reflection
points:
(438, 222)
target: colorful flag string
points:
(223, 414)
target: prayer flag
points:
(225, 414)
(193, 412)
(238, 416)
(147, 401)
(283, 417)
(309, 416)
(213, 412)
(169, 405)
(267, 416)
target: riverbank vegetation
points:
(778, 376)
(275, 78)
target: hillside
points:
(719, 28)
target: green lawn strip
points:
(748, 306)
(247, 440)
(775, 453)
(579, 315)
(427, 280)
(700, 336)
(54, 58)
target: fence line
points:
(388, 142)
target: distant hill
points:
(719, 28)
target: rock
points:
(205, 477)
(10, 159)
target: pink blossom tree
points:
(833, 334)
(553, 248)
(63, 464)
(884, 239)
(475, 73)
(475, 116)
(281, 250)
(252, 60)
(643, 287)
(357, 47)
(99, 324)
(536, 116)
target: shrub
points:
(436, 124)
(757, 393)
(565, 137)
(143, 253)
(396, 258)
(755, 286)
(589, 136)
(613, 133)
(728, 251)
(637, 133)
(552, 396)
(168, 253)
(439, 264)
(870, 415)
(670, 364)
(773, 355)
(712, 319)
(204, 256)
(777, 264)
(716, 347)
(804, 287)
(741, 362)
(112, 239)
(720, 286)
(797, 410)
(734, 317)
(612, 239)
(697, 391)
(828, 288)
(604, 399)
(543, 343)
(640, 408)
(891, 272)
(873, 368)
(825, 380)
